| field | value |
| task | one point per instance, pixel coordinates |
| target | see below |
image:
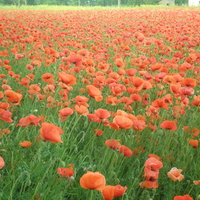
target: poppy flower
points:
(75, 59)
(113, 144)
(66, 172)
(2, 163)
(189, 82)
(102, 113)
(153, 163)
(93, 181)
(5, 115)
(125, 150)
(68, 79)
(13, 97)
(25, 144)
(122, 122)
(94, 92)
(194, 143)
(169, 125)
(29, 120)
(175, 174)
(196, 182)
(149, 184)
(108, 192)
(185, 197)
(81, 110)
(119, 190)
(98, 132)
(51, 132)
(160, 103)
(65, 112)
(150, 173)
(48, 78)
(196, 101)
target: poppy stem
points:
(91, 195)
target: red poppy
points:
(48, 78)
(122, 122)
(169, 125)
(185, 197)
(160, 103)
(149, 184)
(194, 143)
(113, 144)
(51, 132)
(94, 92)
(66, 172)
(65, 112)
(93, 181)
(108, 192)
(119, 190)
(5, 115)
(13, 97)
(153, 163)
(2, 163)
(98, 132)
(125, 150)
(68, 79)
(175, 174)
(25, 144)
(29, 120)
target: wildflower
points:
(51, 132)
(66, 172)
(175, 174)
(93, 180)
(25, 144)
(2, 163)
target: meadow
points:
(100, 104)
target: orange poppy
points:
(122, 122)
(175, 174)
(186, 91)
(194, 143)
(98, 132)
(66, 172)
(48, 78)
(108, 192)
(65, 112)
(25, 144)
(93, 181)
(2, 163)
(113, 144)
(185, 197)
(119, 191)
(169, 125)
(196, 182)
(196, 101)
(94, 92)
(189, 82)
(81, 110)
(81, 100)
(102, 113)
(29, 120)
(13, 97)
(153, 163)
(149, 184)
(51, 132)
(125, 150)
(75, 59)
(5, 115)
(160, 103)
(68, 79)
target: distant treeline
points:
(87, 2)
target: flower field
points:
(100, 104)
